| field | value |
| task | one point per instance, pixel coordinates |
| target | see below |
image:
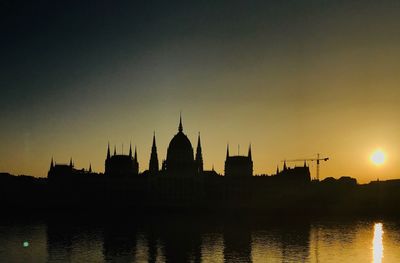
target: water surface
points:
(194, 239)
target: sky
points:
(293, 78)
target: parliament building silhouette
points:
(180, 162)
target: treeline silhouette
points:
(257, 195)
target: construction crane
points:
(318, 160)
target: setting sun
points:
(378, 157)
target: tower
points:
(199, 156)
(135, 163)
(249, 154)
(108, 160)
(51, 164)
(239, 165)
(153, 165)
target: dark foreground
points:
(256, 196)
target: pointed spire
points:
(212, 169)
(90, 167)
(130, 150)
(199, 156)
(227, 150)
(277, 169)
(115, 150)
(198, 141)
(180, 129)
(135, 154)
(52, 163)
(284, 165)
(154, 139)
(70, 163)
(108, 151)
(249, 154)
(153, 164)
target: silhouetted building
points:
(153, 165)
(180, 161)
(238, 166)
(121, 165)
(66, 171)
(298, 173)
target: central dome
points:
(180, 148)
(180, 154)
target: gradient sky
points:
(292, 77)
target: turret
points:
(199, 156)
(108, 151)
(51, 164)
(249, 154)
(153, 165)
(135, 155)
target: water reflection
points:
(377, 244)
(194, 239)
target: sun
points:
(378, 157)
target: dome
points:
(180, 149)
(180, 159)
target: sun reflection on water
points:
(377, 244)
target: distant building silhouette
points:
(66, 171)
(298, 173)
(238, 166)
(121, 165)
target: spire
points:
(70, 163)
(90, 167)
(108, 151)
(115, 150)
(249, 155)
(227, 150)
(135, 154)
(153, 165)
(277, 169)
(52, 163)
(305, 164)
(284, 165)
(198, 142)
(154, 140)
(180, 129)
(130, 150)
(199, 156)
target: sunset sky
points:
(293, 78)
